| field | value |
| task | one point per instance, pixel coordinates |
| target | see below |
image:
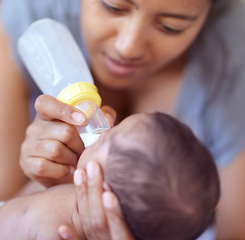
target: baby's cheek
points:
(86, 156)
(82, 161)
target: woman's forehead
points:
(162, 5)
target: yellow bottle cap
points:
(81, 91)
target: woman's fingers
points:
(46, 172)
(110, 115)
(49, 108)
(41, 167)
(67, 233)
(103, 216)
(52, 150)
(80, 180)
(55, 130)
(49, 145)
(95, 190)
(89, 199)
(117, 225)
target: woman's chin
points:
(115, 83)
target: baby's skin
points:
(38, 216)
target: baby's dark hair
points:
(170, 192)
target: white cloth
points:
(209, 234)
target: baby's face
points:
(131, 133)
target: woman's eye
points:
(169, 30)
(111, 8)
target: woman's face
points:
(130, 40)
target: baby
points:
(165, 179)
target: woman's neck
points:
(160, 92)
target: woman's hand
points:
(52, 145)
(100, 213)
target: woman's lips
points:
(118, 68)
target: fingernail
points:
(64, 234)
(78, 177)
(110, 117)
(92, 169)
(108, 200)
(78, 117)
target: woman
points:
(179, 57)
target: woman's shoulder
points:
(18, 15)
(218, 54)
(38, 8)
(225, 28)
(216, 72)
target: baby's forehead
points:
(136, 123)
(134, 130)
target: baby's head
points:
(166, 180)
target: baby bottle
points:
(57, 65)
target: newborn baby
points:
(165, 179)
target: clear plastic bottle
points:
(57, 65)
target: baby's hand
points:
(52, 145)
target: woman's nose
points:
(131, 42)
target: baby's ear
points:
(110, 115)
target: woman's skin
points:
(138, 50)
(14, 118)
(144, 42)
(140, 38)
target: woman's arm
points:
(14, 118)
(231, 212)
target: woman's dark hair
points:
(170, 192)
